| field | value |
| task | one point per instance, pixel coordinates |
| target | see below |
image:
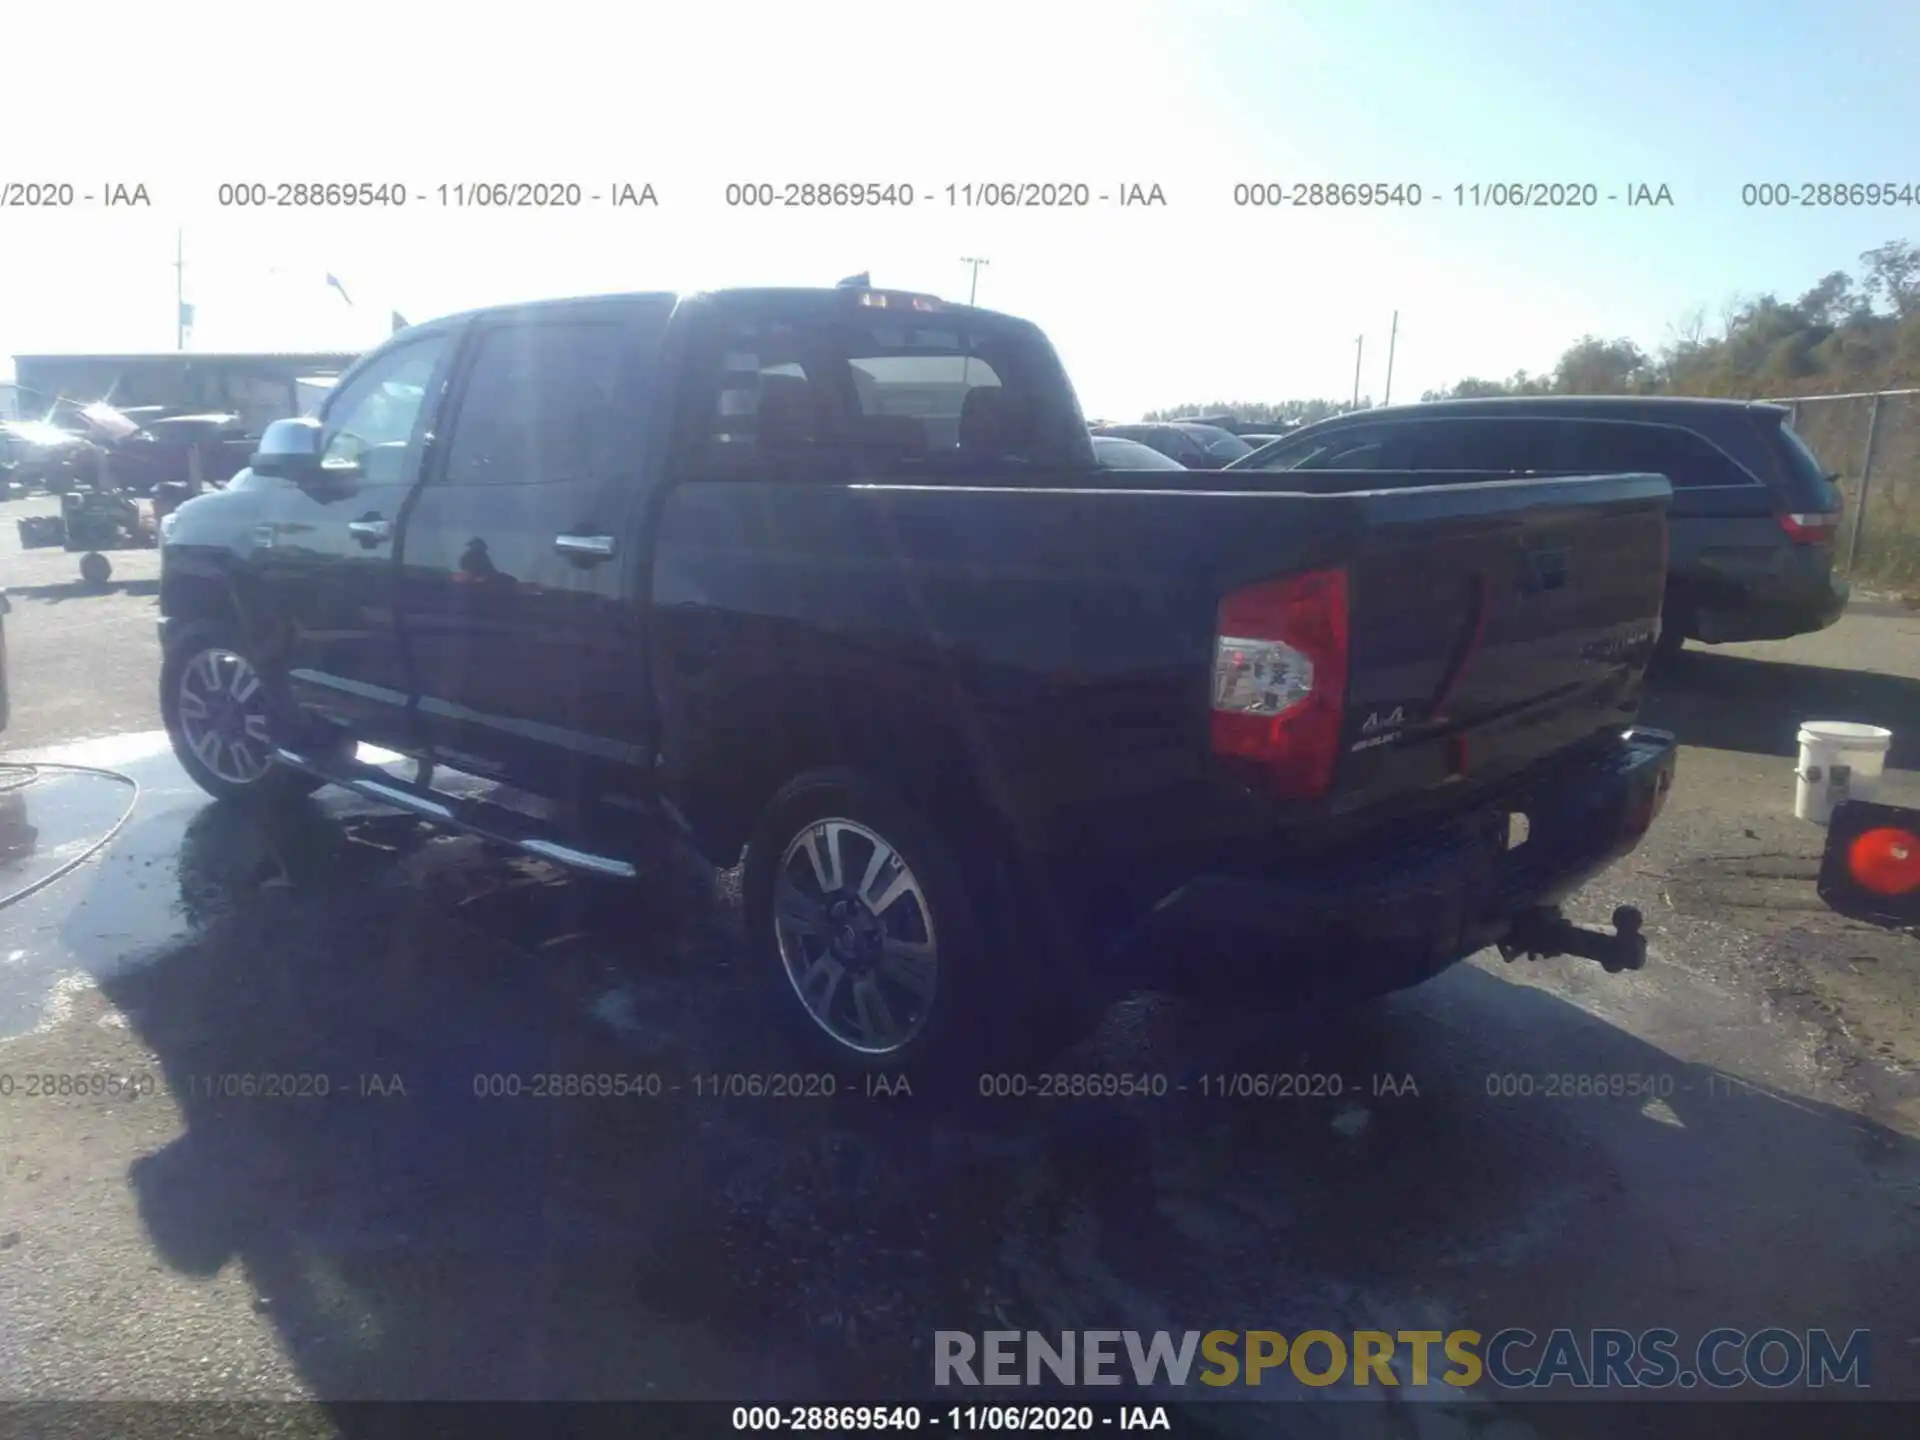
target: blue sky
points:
(1201, 300)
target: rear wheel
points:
(225, 718)
(1675, 620)
(95, 568)
(874, 950)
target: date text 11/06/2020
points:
(457, 195)
(960, 1419)
(744, 1085)
(197, 1085)
(1002, 1085)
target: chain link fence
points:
(1873, 441)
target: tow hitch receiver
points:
(1543, 934)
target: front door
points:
(516, 591)
(324, 554)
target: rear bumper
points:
(1370, 920)
(1741, 596)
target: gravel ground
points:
(80, 662)
(403, 1237)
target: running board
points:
(477, 817)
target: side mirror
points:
(291, 450)
(1871, 868)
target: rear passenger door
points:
(517, 594)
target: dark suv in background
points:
(1197, 447)
(1754, 513)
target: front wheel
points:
(95, 568)
(869, 943)
(222, 717)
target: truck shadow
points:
(54, 594)
(353, 1000)
(1734, 702)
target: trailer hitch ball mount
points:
(1544, 934)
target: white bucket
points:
(1839, 760)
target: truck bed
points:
(1059, 630)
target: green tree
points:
(1849, 331)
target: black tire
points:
(1676, 619)
(979, 1013)
(95, 568)
(1668, 648)
(276, 784)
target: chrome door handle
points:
(371, 531)
(584, 547)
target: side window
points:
(1172, 444)
(540, 405)
(1358, 449)
(1351, 447)
(1687, 460)
(1483, 444)
(1294, 454)
(370, 421)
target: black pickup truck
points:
(832, 577)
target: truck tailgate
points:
(1494, 624)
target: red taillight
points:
(1280, 680)
(1885, 861)
(1810, 529)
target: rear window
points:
(1810, 487)
(831, 388)
(921, 373)
(1689, 461)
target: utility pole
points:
(973, 284)
(1359, 347)
(1392, 337)
(180, 289)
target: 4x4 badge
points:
(1393, 720)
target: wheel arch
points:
(725, 780)
(199, 593)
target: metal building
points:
(260, 388)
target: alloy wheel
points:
(223, 716)
(856, 936)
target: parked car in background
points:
(1196, 447)
(40, 455)
(1754, 512)
(1114, 453)
(220, 441)
(147, 451)
(997, 728)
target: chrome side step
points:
(476, 817)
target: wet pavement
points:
(305, 1180)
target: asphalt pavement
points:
(304, 1180)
